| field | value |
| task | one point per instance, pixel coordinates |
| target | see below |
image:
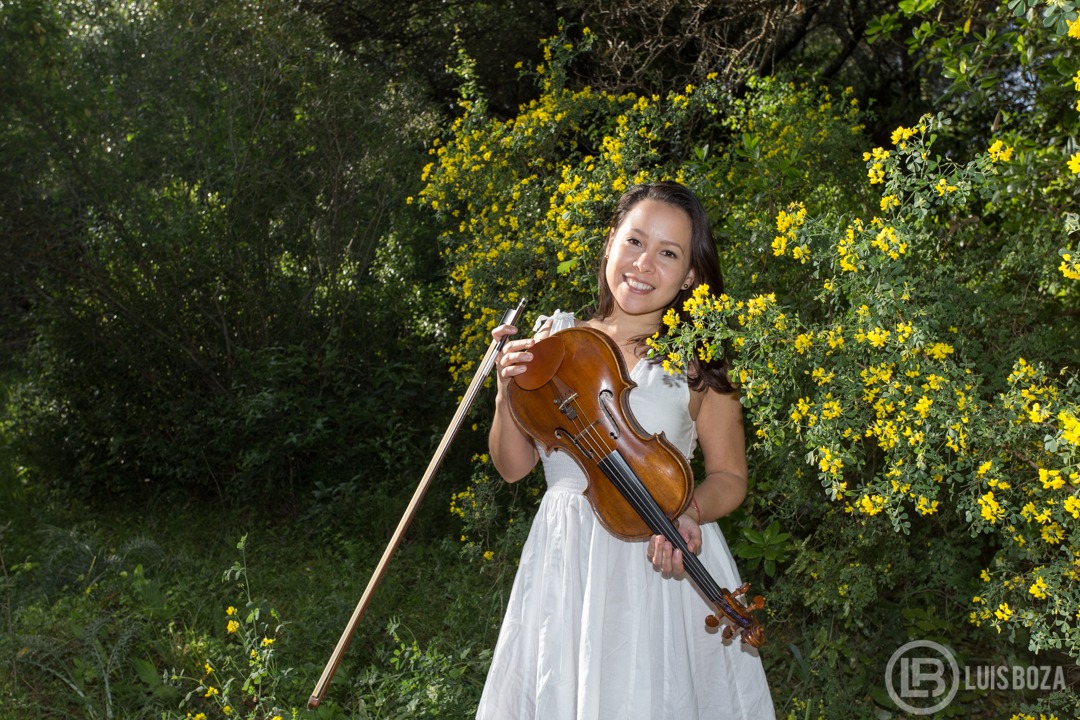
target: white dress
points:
(592, 631)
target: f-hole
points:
(606, 399)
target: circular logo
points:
(918, 677)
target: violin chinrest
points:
(547, 358)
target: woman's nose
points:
(643, 262)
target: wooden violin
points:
(574, 397)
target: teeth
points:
(638, 285)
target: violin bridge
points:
(566, 406)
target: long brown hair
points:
(704, 264)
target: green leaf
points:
(147, 672)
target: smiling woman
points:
(597, 625)
(648, 259)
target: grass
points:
(150, 588)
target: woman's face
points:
(649, 257)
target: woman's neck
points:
(625, 330)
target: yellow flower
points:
(1074, 164)
(872, 504)
(1074, 28)
(939, 351)
(267, 642)
(1004, 612)
(230, 611)
(925, 506)
(878, 337)
(1052, 534)
(233, 626)
(990, 509)
(1051, 479)
(943, 186)
(901, 134)
(211, 692)
(998, 152)
(1069, 268)
(1038, 588)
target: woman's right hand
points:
(514, 354)
(512, 452)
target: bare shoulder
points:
(711, 408)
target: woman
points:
(597, 627)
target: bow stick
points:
(510, 317)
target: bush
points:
(912, 416)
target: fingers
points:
(503, 331)
(691, 533)
(665, 557)
(514, 354)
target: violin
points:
(574, 396)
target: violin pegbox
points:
(749, 629)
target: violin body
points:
(574, 397)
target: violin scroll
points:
(751, 631)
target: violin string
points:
(622, 476)
(667, 529)
(637, 495)
(633, 490)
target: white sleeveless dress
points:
(592, 631)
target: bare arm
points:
(723, 446)
(512, 452)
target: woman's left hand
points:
(668, 559)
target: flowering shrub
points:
(893, 420)
(898, 329)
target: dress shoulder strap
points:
(559, 321)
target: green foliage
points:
(1007, 58)
(210, 286)
(196, 226)
(879, 342)
(97, 625)
(413, 681)
(889, 391)
(74, 651)
(239, 677)
(764, 548)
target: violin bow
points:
(509, 317)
